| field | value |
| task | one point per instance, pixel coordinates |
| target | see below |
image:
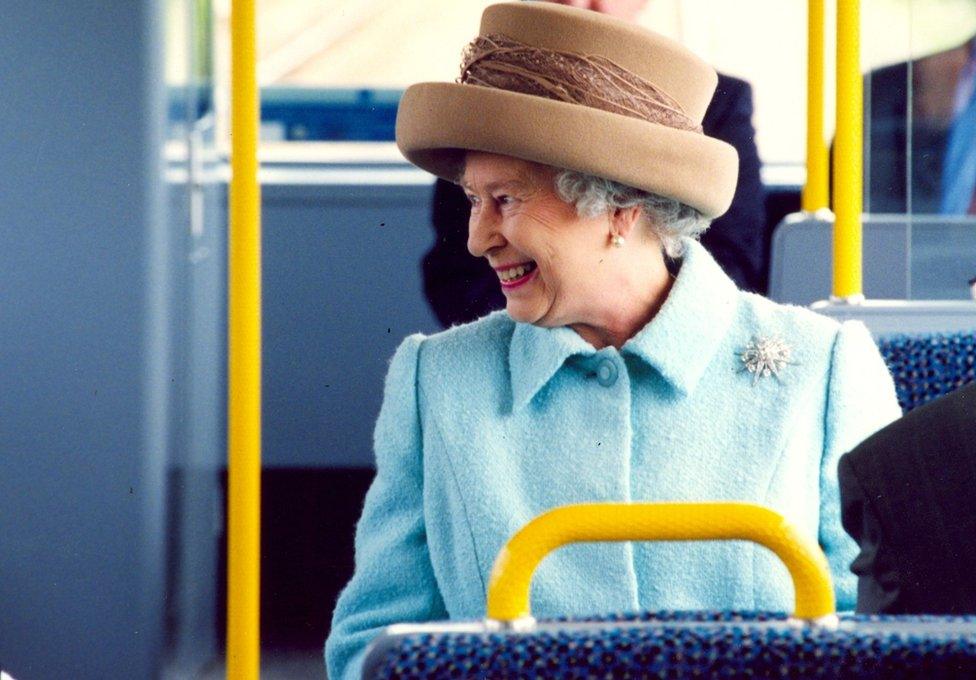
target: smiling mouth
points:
(516, 276)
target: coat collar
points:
(678, 343)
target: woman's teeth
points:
(516, 272)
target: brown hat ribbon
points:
(499, 62)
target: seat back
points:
(906, 257)
(928, 366)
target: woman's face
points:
(554, 267)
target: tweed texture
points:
(487, 425)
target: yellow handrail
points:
(815, 191)
(847, 284)
(508, 590)
(244, 356)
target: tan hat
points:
(579, 90)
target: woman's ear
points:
(624, 222)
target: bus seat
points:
(928, 366)
(929, 345)
(905, 257)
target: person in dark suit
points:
(907, 498)
(461, 288)
(942, 98)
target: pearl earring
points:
(617, 240)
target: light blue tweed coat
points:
(487, 425)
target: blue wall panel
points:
(82, 272)
(342, 288)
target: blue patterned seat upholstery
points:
(928, 366)
(685, 645)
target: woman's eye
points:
(504, 199)
(472, 199)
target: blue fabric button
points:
(606, 372)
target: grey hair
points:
(668, 218)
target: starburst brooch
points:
(766, 356)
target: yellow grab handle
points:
(508, 590)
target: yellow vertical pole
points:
(848, 161)
(244, 356)
(815, 195)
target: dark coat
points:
(461, 288)
(887, 150)
(908, 497)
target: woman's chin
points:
(523, 313)
(516, 313)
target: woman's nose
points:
(483, 232)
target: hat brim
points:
(438, 122)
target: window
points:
(333, 69)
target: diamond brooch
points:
(766, 356)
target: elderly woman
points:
(627, 366)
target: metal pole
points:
(848, 162)
(815, 192)
(244, 356)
